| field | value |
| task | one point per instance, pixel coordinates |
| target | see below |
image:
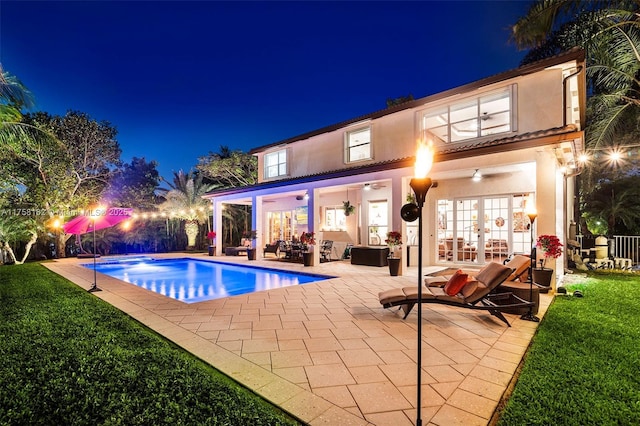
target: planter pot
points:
(394, 266)
(307, 259)
(212, 250)
(251, 254)
(542, 277)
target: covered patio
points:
(328, 352)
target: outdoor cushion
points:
(438, 293)
(520, 264)
(391, 296)
(455, 283)
(491, 272)
(470, 286)
(437, 281)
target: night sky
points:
(180, 79)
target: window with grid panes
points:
(275, 164)
(358, 144)
(471, 118)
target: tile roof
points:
(520, 141)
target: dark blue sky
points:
(179, 79)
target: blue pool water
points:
(190, 280)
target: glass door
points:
(378, 222)
(485, 229)
(280, 225)
(468, 226)
(497, 229)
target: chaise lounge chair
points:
(518, 263)
(475, 294)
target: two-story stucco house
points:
(503, 145)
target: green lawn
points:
(583, 367)
(69, 358)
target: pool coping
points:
(160, 261)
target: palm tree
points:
(14, 96)
(184, 201)
(609, 31)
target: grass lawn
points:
(68, 358)
(583, 367)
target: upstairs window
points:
(358, 145)
(471, 118)
(275, 164)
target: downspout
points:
(564, 94)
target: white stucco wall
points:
(537, 102)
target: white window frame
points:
(280, 167)
(350, 149)
(475, 117)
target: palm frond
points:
(603, 128)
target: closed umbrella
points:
(99, 218)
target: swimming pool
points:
(191, 280)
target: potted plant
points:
(251, 251)
(348, 207)
(394, 241)
(211, 236)
(551, 248)
(308, 240)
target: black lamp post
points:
(56, 228)
(409, 213)
(94, 287)
(529, 315)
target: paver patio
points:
(328, 353)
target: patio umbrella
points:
(99, 218)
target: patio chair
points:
(272, 248)
(285, 247)
(474, 294)
(325, 250)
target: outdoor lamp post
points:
(125, 227)
(94, 287)
(532, 214)
(56, 229)
(420, 184)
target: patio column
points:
(312, 224)
(398, 198)
(549, 204)
(256, 220)
(217, 225)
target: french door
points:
(483, 229)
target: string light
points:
(613, 155)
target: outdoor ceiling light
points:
(306, 195)
(477, 176)
(367, 187)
